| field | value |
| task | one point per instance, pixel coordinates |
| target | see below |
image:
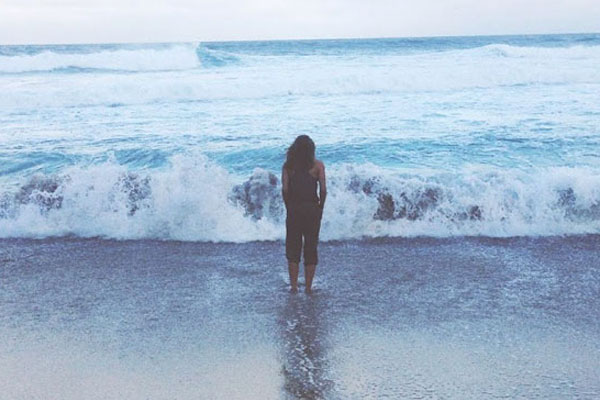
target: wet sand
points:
(461, 318)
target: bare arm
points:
(285, 185)
(322, 185)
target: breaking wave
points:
(216, 58)
(174, 57)
(196, 200)
(490, 66)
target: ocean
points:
(142, 226)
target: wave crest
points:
(216, 58)
(175, 57)
(194, 199)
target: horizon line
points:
(299, 39)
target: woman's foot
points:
(293, 269)
(309, 274)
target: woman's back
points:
(303, 187)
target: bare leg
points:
(293, 269)
(309, 274)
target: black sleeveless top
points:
(303, 187)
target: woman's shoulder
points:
(318, 169)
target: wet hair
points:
(301, 154)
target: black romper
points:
(303, 218)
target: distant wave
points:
(504, 50)
(175, 57)
(190, 56)
(483, 67)
(196, 200)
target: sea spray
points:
(195, 199)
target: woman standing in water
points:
(300, 174)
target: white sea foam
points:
(484, 67)
(196, 200)
(187, 201)
(190, 56)
(176, 57)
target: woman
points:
(299, 177)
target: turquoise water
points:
(493, 136)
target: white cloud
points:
(69, 21)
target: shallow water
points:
(458, 318)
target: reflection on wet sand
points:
(304, 361)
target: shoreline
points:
(364, 239)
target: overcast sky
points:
(92, 21)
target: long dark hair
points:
(301, 154)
